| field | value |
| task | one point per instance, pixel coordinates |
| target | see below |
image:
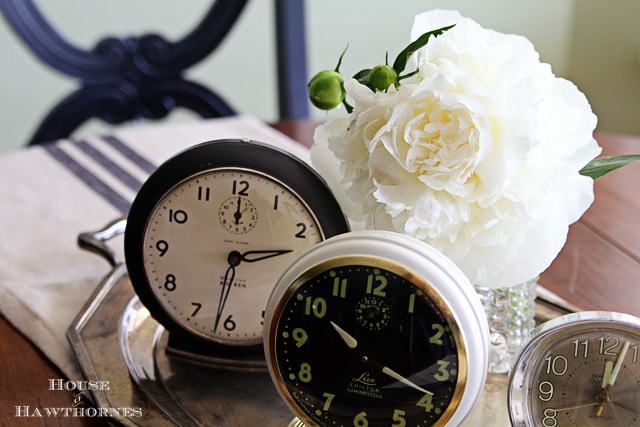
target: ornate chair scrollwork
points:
(124, 79)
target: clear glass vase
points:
(510, 312)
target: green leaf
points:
(403, 57)
(362, 77)
(603, 165)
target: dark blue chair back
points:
(130, 78)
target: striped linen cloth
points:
(50, 194)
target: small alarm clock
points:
(210, 232)
(376, 328)
(581, 369)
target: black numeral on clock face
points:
(178, 216)
(204, 193)
(241, 188)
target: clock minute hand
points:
(393, 374)
(611, 376)
(616, 369)
(229, 275)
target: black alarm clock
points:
(210, 232)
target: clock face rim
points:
(373, 261)
(542, 340)
(240, 155)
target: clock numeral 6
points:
(229, 324)
(360, 420)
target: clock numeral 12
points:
(240, 188)
(381, 283)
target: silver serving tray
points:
(115, 340)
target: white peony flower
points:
(478, 154)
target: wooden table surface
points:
(599, 269)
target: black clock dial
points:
(366, 343)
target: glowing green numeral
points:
(318, 306)
(381, 283)
(442, 374)
(398, 417)
(339, 287)
(437, 337)
(360, 420)
(300, 336)
(305, 372)
(426, 402)
(327, 403)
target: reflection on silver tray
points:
(115, 340)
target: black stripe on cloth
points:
(130, 153)
(114, 169)
(91, 180)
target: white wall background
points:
(243, 69)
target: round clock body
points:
(581, 369)
(376, 328)
(212, 229)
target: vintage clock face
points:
(213, 228)
(360, 333)
(581, 369)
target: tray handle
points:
(94, 241)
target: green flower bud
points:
(326, 89)
(381, 77)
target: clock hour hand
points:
(350, 341)
(253, 256)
